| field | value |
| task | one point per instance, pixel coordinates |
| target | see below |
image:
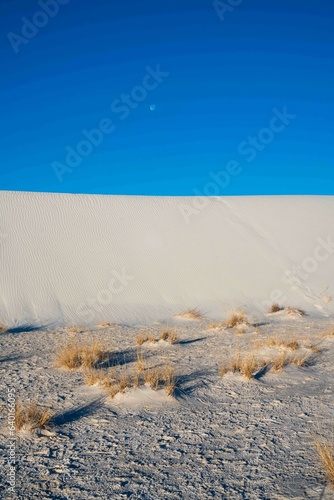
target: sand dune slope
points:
(85, 258)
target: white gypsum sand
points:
(221, 436)
(84, 259)
(97, 275)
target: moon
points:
(152, 107)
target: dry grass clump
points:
(301, 359)
(141, 363)
(117, 382)
(105, 324)
(159, 378)
(326, 455)
(31, 416)
(288, 344)
(169, 336)
(3, 328)
(274, 308)
(144, 337)
(215, 326)
(153, 377)
(93, 376)
(246, 364)
(295, 310)
(191, 314)
(236, 318)
(170, 380)
(280, 362)
(124, 381)
(75, 355)
(141, 338)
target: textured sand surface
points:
(82, 259)
(222, 437)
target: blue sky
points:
(217, 82)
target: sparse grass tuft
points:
(170, 380)
(280, 362)
(246, 364)
(301, 360)
(191, 314)
(3, 328)
(169, 336)
(140, 362)
(326, 455)
(249, 366)
(93, 376)
(105, 324)
(236, 318)
(141, 338)
(288, 344)
(124, 381)
(144, 337)
(31, 416)
(152, 376)
(275, 308)
(75, 355)
(295, 310)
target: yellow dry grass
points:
(169, 335)
(141, 363)
(295, 310)
(75, 355)
(31, 416)
(191, 314)
(280, 362)
(93, 376)
(247, 364)
(326, 456)
(236, 318)
(144, 337)
(275, 308)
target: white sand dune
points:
(85, 258)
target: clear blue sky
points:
(222, 75)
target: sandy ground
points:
(221, 437)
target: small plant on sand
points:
(75, 355)
(288, 344)
(93, 376)
(170, 380)
(295, 311)
(326, 456)
(124, 381)
(236, 318)
(301, 360)
(141, 363)
(246, 364)
(141, 338)
(3, 328)
(191, 314)
(31, 416)
(275, 308)
(152, 376)
(280, 362)
(169, 336)
(144, 337)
